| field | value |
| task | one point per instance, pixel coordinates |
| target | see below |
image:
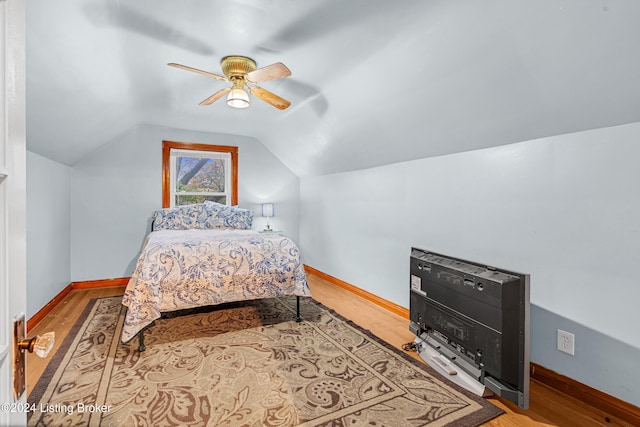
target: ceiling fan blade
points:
(195, 70)
(270, 72)
(269, 98)
(213, 98)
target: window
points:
(193, 173)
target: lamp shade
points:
(267, 209)
(238, 98)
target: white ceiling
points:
(374, 82)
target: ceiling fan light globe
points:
(238, 98)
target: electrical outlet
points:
(566, 342)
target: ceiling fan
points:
(243, 74)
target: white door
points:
(12, 199)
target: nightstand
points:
(278, 232)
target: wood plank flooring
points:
(60, 320)
(548, 407)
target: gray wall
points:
(564, 209)
(115, 189)
(48, 230)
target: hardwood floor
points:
(548, 407)
(60, 320)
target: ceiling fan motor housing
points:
(235, 67)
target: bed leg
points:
(141, 346)
(298, 319)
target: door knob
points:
(42, 345)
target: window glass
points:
(200, 176)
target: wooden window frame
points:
(166, 169)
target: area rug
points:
(243, 364)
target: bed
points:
(206, 254)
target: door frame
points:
(12, 197)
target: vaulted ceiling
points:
(374, 82)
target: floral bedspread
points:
(181, 269)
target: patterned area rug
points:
(243, 364)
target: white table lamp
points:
(267, 211)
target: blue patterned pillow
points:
(223, 216)
(180, 218)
